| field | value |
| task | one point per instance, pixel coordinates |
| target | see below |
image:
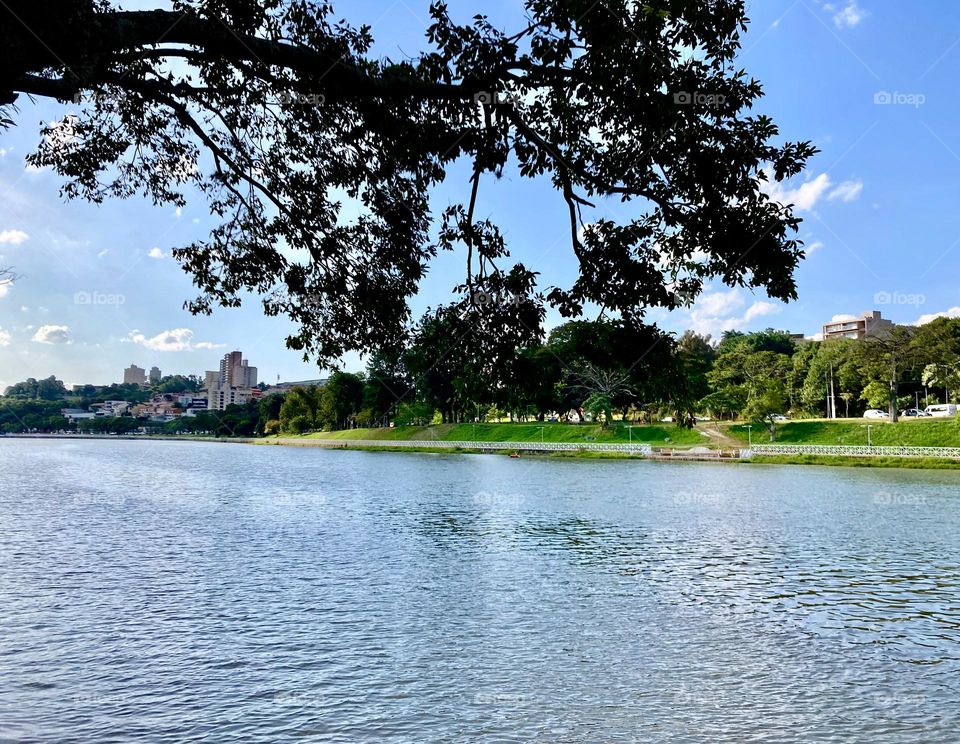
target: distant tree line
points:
(454, 370)
(613, 369)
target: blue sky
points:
(872, 83)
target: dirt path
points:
(718, 437)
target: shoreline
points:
(538, 450)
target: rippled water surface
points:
(170, 592)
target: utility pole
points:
(833, 396)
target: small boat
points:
(515, 455)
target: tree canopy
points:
(298, 137)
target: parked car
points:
(942, 410)
(875, 413)
(781, 417)
(913, 412)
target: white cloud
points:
(759, 308)
(804, 197)
(953, 312)
(843, 318)
(815, 246)
(716, 312)
(103, 253)
(4, 288)
(846, 191)
(155, 252)
(52, 334)
(719, 303)
(12, 237)
(178, 339)
(848, 16)
(5, 338)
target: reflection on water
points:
(174, 592)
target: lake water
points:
(171, 592)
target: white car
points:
(875, 413)
(780, 417)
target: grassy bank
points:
(910, 433)
(666, 434)
(915, 463)
(857, 462)
(437, 450)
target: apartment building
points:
(870, 324)
(134, 375)
(235, 382)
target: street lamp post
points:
(749, 436)
(541, 435)
(869, 439)
(630, 433)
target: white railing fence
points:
(836, 450)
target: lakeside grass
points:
(908, 433)
(660, 435)
(918, 463)
(908, 463)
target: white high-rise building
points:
(233, 383)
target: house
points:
(869, 324)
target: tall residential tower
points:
(234, 382)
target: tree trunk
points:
(894, 389)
